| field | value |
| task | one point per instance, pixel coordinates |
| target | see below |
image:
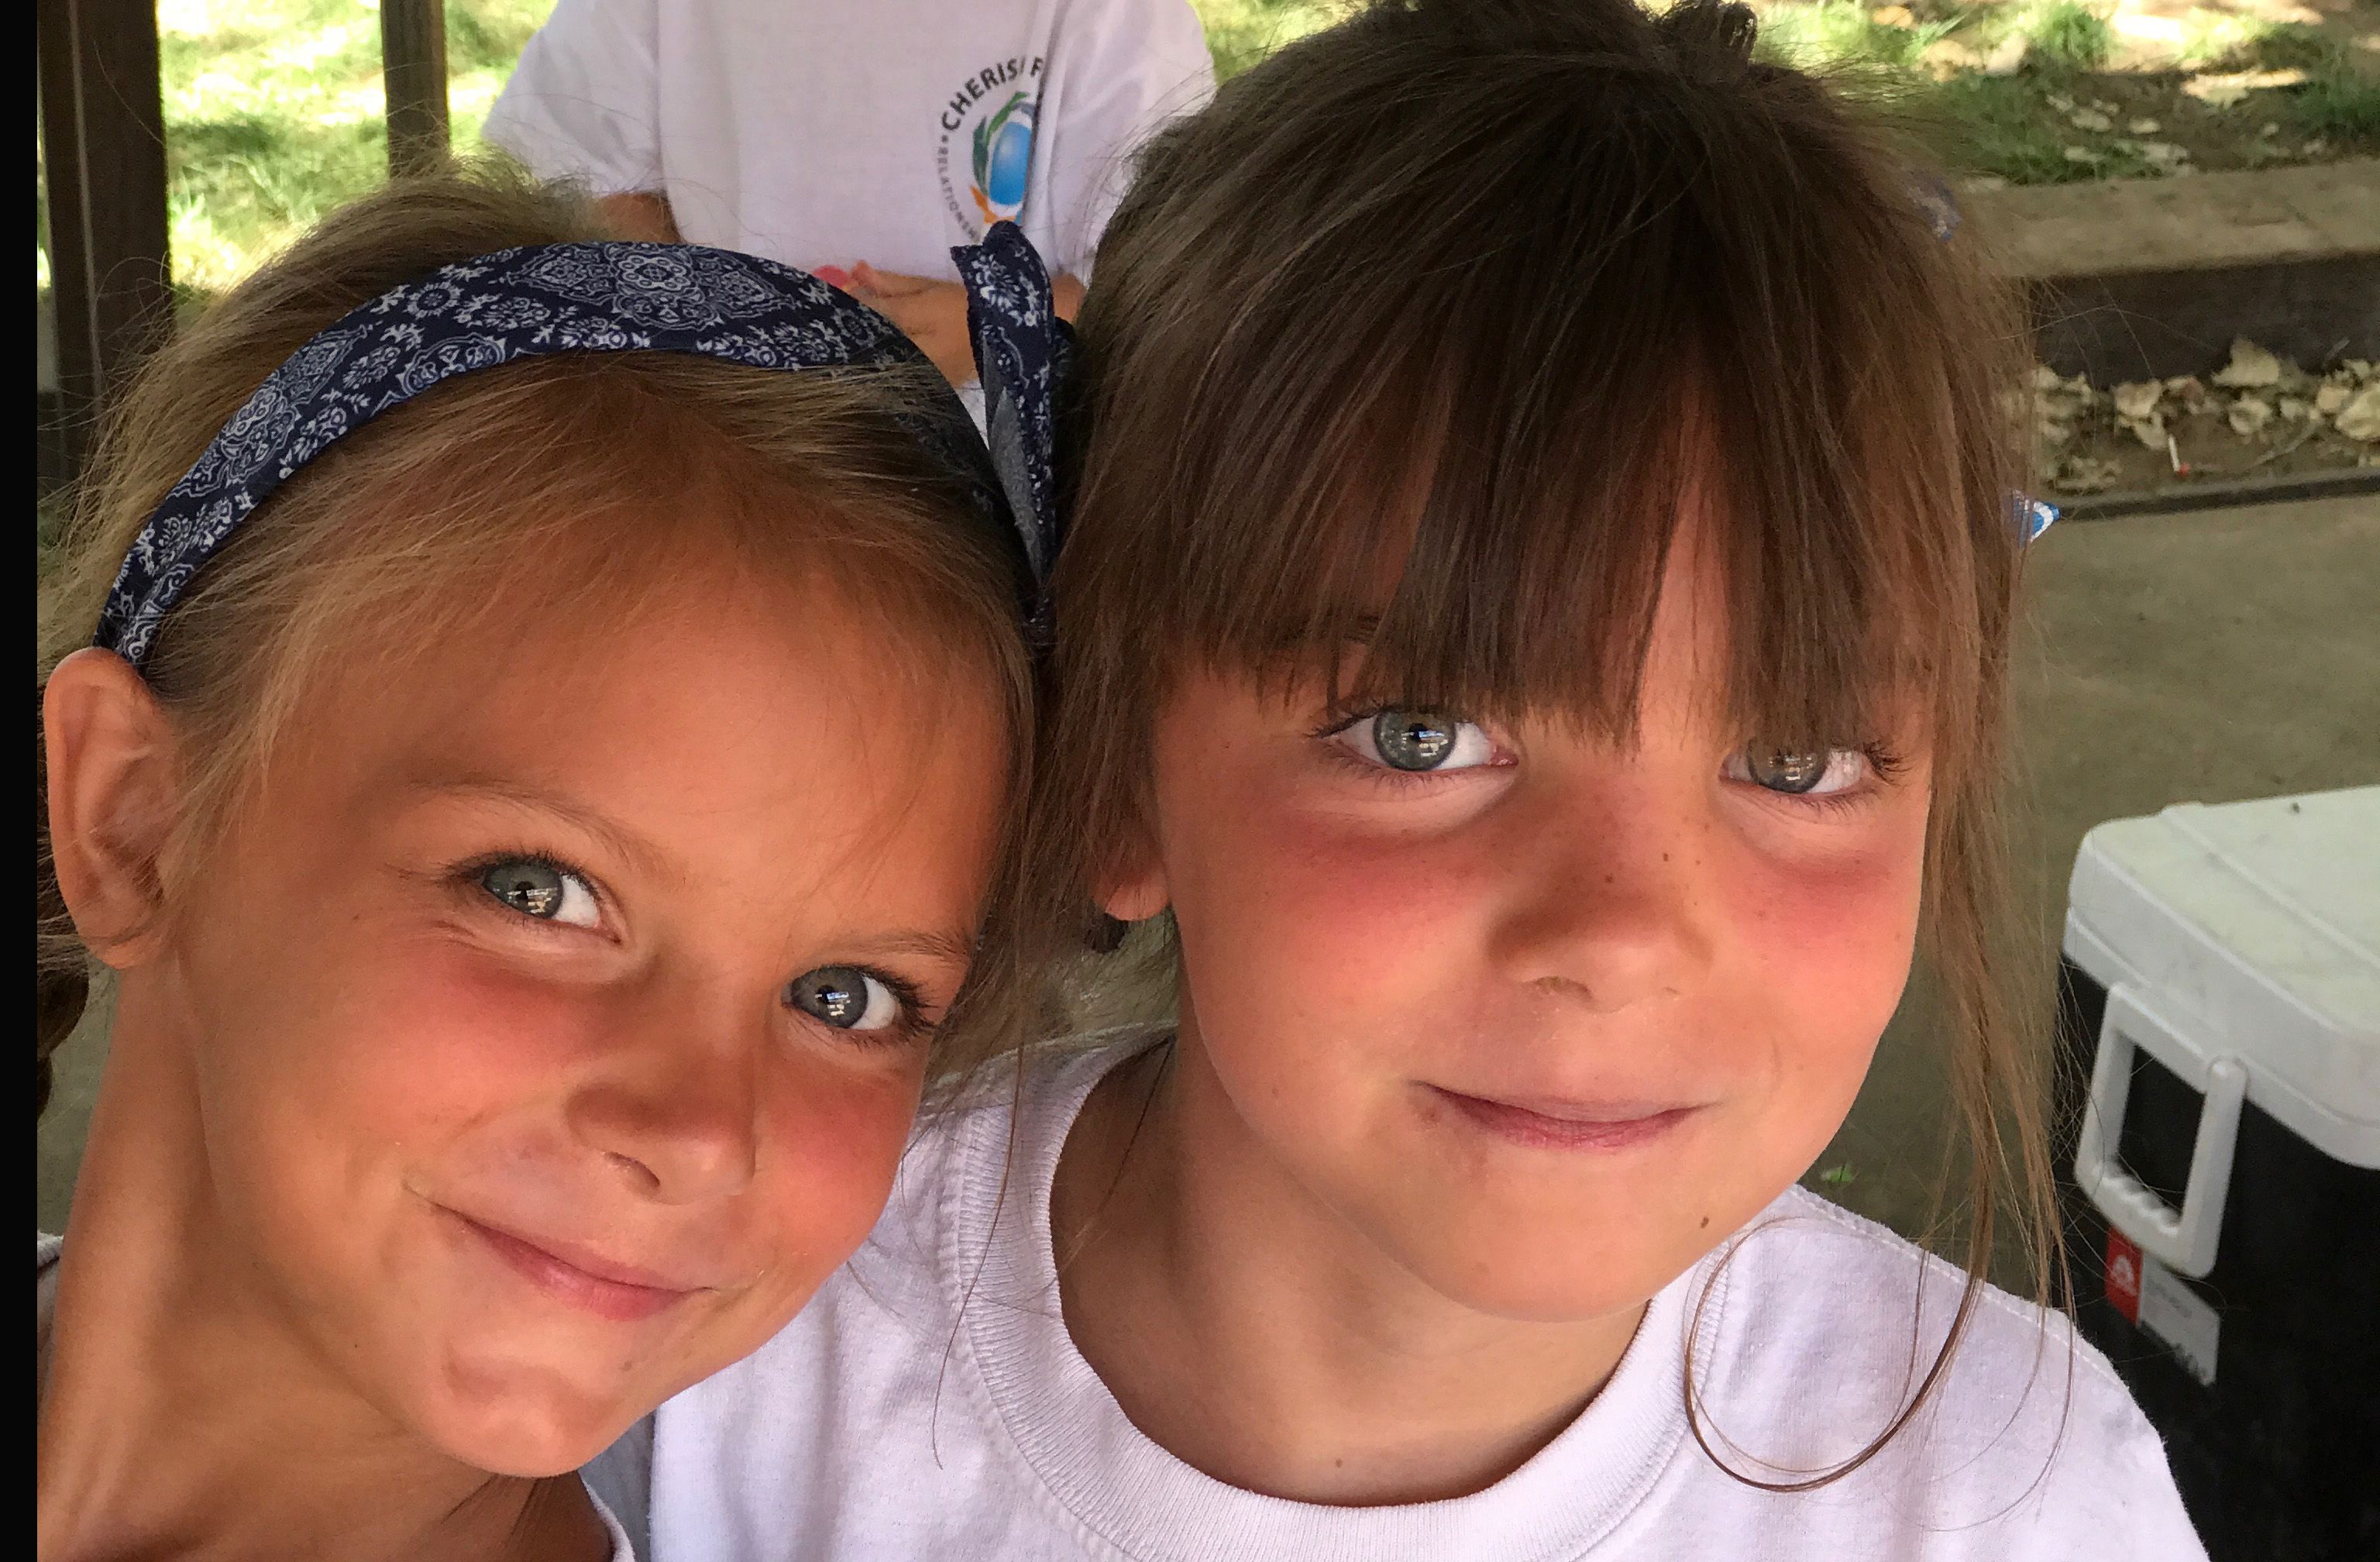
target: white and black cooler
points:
(2219, 1030)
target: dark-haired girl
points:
(1530, 661)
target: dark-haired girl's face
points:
(1539, 1017)
(559, 1012)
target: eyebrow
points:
(948, 947)
(951, 949)
(623, 843)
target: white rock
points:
(2145, 127)
(2248, 415)
(2008, 58)
(2221, 91)
(2090, 119)
(2331, 397)
(2138, 398)
(2162, 154)
(2250, 366)
(2084, 474)
(2082, 155)
(2359, 419)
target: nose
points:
(676, 1110)
(1608, 904)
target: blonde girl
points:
(538, 784)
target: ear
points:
(113, 794)
(1134, 889)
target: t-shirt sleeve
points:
(2112, 1489)
(1126, 66)
(584, 102)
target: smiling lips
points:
(619, 1292)
(1567, 1125)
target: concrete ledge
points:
(2139, 278)
(2193, 223)
(2179, 497)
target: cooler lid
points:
(2256, 925)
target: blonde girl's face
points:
(560, 1009)
(1541, 1019)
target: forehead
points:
(727, 720)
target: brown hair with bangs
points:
(588, 478)
(1424, 334)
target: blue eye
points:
(540, 889)
(845, 997)
(1418, 742)
(1800, 771)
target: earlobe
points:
(1137, 891)
(110, 775)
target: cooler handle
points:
(2184, 1239)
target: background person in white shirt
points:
(859, 140)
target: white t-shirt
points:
(46, 1307)
(929, 1404)
(825, 132)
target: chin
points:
(519, 1418)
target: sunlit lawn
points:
(2041, 91)
(275, 116)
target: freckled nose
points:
(1607, 913)
(679, 1123)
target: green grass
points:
(2075, 36)
(1240, 33)
(275, 116)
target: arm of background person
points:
(584, 104)
(931, 312)
(639, 214)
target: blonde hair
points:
(1467, 296)
(570, 471)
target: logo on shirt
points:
(984, 156)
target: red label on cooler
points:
(2123, 1276)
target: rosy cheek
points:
(1835, 939)
(832, 1140)
(448, 1036)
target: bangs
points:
(1464, 434)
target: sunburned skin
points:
(459, 1113)
(1471, 1062)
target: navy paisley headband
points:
(617, 296)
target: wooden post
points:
(413, 70)
(103, 178)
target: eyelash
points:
(465, 877)
(914, 1024)
(1378, 775)
(1884, 765)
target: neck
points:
(1250, 1330)
(183, 1414)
